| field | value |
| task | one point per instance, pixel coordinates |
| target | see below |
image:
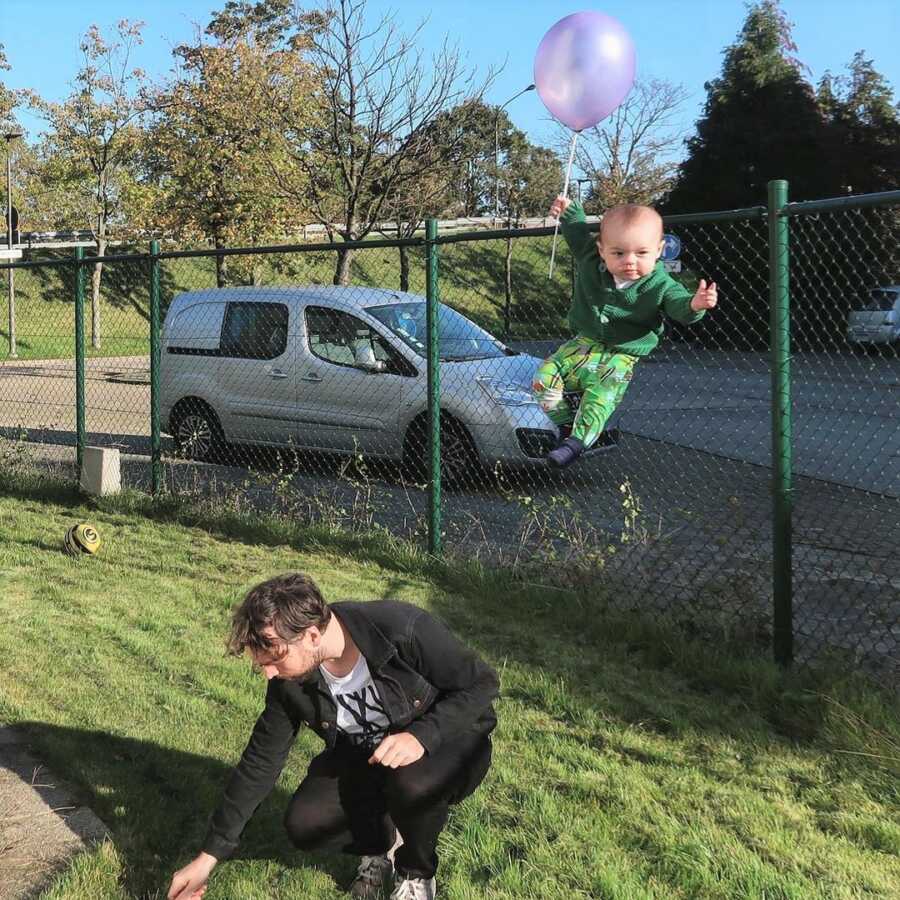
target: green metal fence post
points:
(780, 324)
(80, 429)
(155, 446)
(434, 387)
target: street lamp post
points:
(500, 109)
(10, 133)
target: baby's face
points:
(630, 250)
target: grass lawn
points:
(628, 763)
(472, 279)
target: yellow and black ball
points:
(82, 538)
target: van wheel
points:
(197, 433)
(459, 458)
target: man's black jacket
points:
(430, 684)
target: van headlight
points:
(505, 393)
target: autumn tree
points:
(214, 143)
(94, 138)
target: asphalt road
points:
(846, 408)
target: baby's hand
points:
(705, 298)
(559, 206)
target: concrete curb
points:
(41, 829)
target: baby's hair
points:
(628, 214)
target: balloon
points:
(584, 68)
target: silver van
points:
(342, 369)
(877, 321)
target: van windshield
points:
(881, 300)
(460, 339)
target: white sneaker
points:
(414, 889)
(371, 876)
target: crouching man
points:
(405, 711)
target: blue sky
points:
(681, 41)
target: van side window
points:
(255, 330)
(196, 330)
(342, 339)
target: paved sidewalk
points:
(41, 829)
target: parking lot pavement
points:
(846, 409)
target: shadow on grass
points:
(156, 803)
(125, 285)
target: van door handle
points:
(311, 376)
(277, 373)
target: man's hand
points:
(189, 883)
(397, 750)
(705, 298)
(559, 206)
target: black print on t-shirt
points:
(360, 704)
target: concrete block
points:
(100, 472)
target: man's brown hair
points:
(628, 214)
(289, 604)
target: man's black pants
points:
(345, 804)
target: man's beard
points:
(312, 673)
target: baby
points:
(621, 292)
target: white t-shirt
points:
(621, 285)
(360, 713)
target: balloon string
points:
(565, 194)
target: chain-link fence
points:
(738, 483)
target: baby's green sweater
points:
(628, 320)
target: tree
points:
(377, 100)
(408, 202)
(629, 157)
(865, 128)
(8, 99)
(529, 178)
(761, 121)
(213, 140)
(454, 176)
(95, 136)
(863, 156)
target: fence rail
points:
(749, 479)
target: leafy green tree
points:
(760, 122)
(865, 128)
(529, 179)
(94, 139)
(856, 249)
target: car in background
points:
(343, 369)
(877, 321)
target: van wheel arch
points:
(196, 430)
(459, 455)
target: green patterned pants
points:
(585, 366)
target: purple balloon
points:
(584, 68)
